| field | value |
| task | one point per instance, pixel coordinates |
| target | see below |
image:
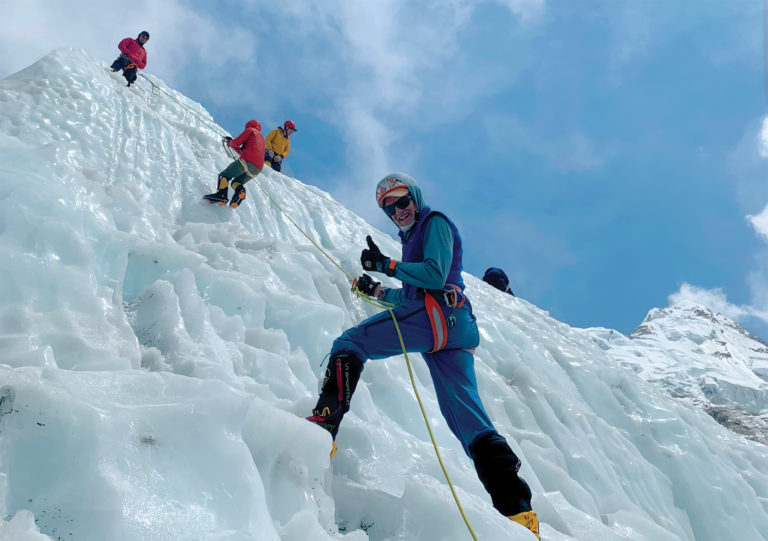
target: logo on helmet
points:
(387, 185)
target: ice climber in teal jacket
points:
(436, 320)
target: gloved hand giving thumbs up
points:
(373, 260)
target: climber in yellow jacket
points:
(278, 145)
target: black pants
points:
(497, 466)
(276, 166)
(120, 64)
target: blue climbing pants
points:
(452, 368)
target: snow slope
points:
(156, 354)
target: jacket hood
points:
(255, 124)
(395, 181)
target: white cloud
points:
(716, 300)
(525, 9)
(378, 71)
(757, 279)
(760, 222)
(573, 151)
(31, 29)
(634, 30)
(749, 167)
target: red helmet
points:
(289, 124)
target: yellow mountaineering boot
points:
(219, 197)
(529, 519)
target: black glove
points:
(227, 139)
(372, 259)
(366, 284)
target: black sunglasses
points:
(401, 203)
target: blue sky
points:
(610, 156)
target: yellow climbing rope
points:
(200, 117)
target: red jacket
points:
(133, 50)
(250, 144)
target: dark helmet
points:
(497, 278)
(289, 124)
(143, 33)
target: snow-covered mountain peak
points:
(706, 332)
(695, 319)
(705, 357)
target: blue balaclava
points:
(497, 278)
(397, 184)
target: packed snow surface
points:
(156, 355)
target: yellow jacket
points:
(278, 143)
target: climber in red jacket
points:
(133, 56)
(249, 145)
